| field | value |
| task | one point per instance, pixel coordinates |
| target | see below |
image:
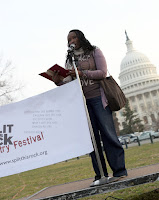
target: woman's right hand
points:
(56, 78)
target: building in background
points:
(140, 83)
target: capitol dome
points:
(135, 67)
(133, 58)
(140, 83)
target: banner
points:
(42, 130)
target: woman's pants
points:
(102, 121)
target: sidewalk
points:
(79, 189)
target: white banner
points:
(42, 130)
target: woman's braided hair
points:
(85, 44)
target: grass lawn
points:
(28, 183)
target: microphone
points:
(71, 48)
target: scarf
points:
(78, 52)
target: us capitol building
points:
(140, 83)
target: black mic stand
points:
(103, 179)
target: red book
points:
(62, 72)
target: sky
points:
(33, 34)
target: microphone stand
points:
(103, 179)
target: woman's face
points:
(73, 39)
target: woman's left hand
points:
(73, 73)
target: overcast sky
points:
(33, 33)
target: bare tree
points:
(9, 87)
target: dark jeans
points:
(102, 121)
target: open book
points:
(62, 72)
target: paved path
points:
(79, 189)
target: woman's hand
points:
(73, 73)
(55, 76)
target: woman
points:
(92, 68)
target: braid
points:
(85, 44)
